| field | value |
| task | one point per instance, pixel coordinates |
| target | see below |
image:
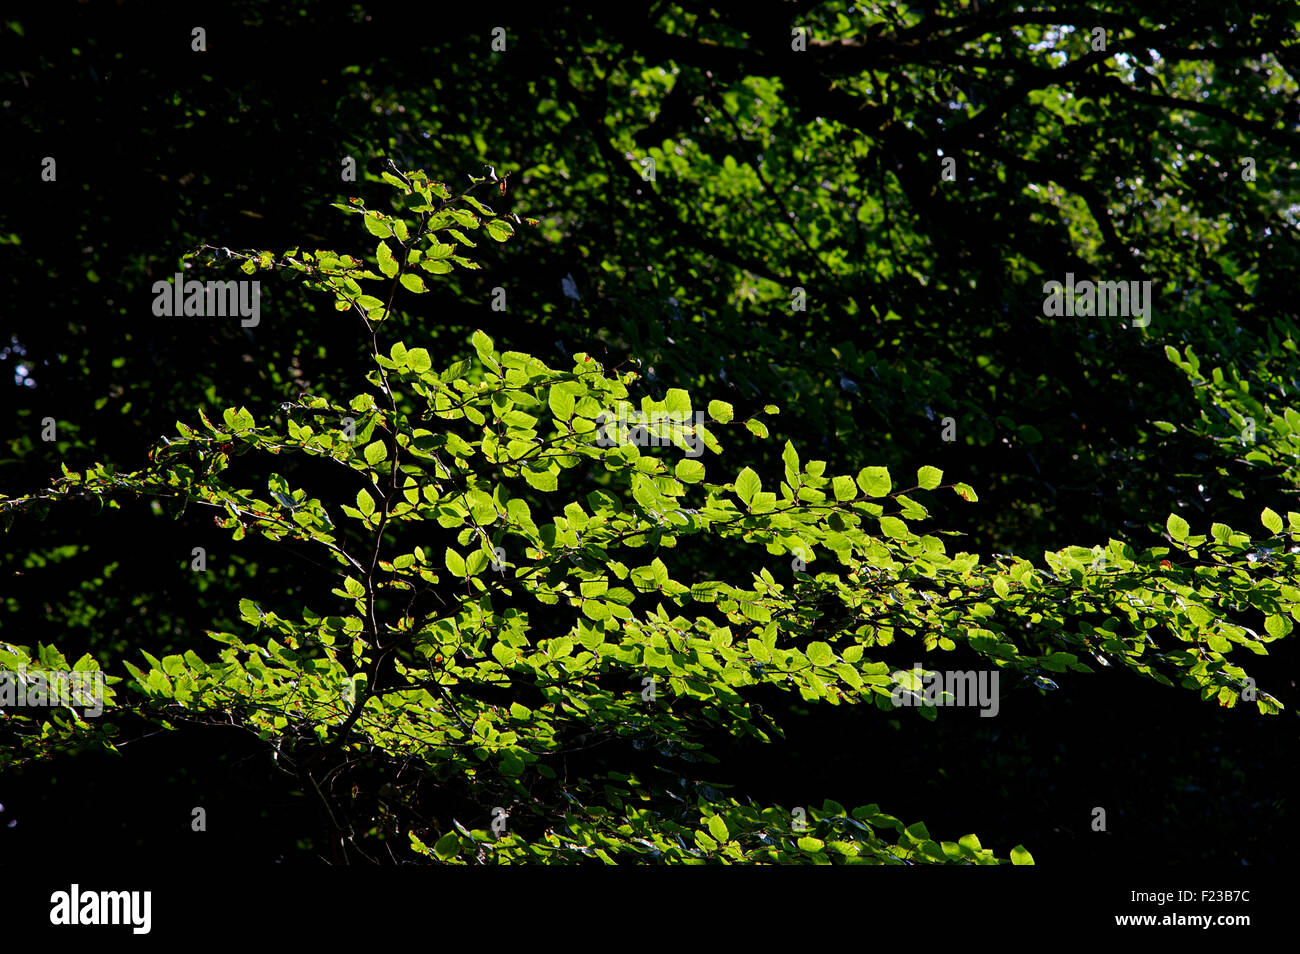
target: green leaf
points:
(689, 471)
(542, 480)
(748, 484)
(1271, 520)
(454, 562)
(483, 347)
(844, 488)
(790, 457)
(561, 402)
(375, 226)
(718, 829)
(677, 401)
(1278, 626)
(375, 452)
(365, 503)
(499, 229)
(476, 562)
(918, 831)
(512, 764)
(820, 654)
(929, 477)
(417, 359)
(413, 283)
(1177, 527)
(448, 846)
(721, 411)
(875, 481)
(894, 527)
(387, 264)
(1019, 856)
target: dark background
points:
(925, 302)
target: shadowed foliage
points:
(861, 324)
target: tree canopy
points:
(644, 405)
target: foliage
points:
(478, 654)
(818, 170)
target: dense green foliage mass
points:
(812, 247)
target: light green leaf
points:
(820, 654)
(417, 359)
(483, 346)
(677, 401)
(689, 471)
(499, 229)
(542, 480)
(455, 563)
(875, 481)
(375, 226)
(748, 483)
(561, 402)
(894, 527)
(929, 477)
(790, 457)
(1177, 527)
(365, 503)
(1019, 856)
(387, 264)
